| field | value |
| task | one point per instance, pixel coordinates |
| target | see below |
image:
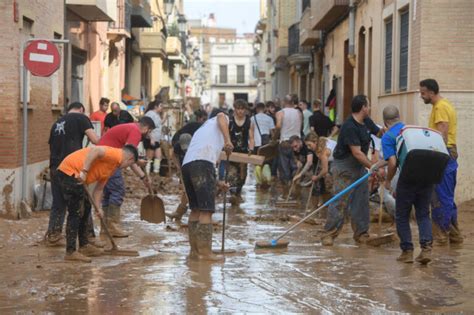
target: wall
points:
(47, 19)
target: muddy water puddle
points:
(304, 278)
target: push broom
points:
(279, 243)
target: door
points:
(348, 88)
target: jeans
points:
(79, 210)
(354, 204)
(444, 209)
(286, 162)
(409, 195)
(114, 190)
(58, 208)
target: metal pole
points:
(25, 127)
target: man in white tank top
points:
(289, 122)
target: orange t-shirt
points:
(98, 116)
(101, 169)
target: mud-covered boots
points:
(76, 256)
(192, 233)
(204, 243)
(455, 236)
(178, 214)
(406, 256)
(113, 222)
(425, 255)
(440, 237)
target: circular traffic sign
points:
(41, 58)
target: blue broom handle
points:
(336, 197)
(346, 190)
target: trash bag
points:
(40, 193)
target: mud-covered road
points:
(305, 278)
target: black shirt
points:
(111, 120)
(239, 135)
(354, 134)
(321, 124)
(66, 136)
(302, 155)
(189, 128)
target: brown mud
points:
(304, 278)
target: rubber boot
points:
(178, 214)
(113, 222)
(455, 236)
(425, 255)
(204, 243)
(327, 239)
(406, 256)
(156, 166)
(192, 230)
(440, 237)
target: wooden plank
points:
(243, 158)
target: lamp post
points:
(169, 4)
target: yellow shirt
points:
(443, 111)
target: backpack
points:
(421, 154)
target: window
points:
(222, 74)
(240, 74)
(403, 73)
(388, 56)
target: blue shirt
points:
(389, 140)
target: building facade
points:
(381, 49)
(233, 72)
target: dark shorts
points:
(148, 146)
(199, 179)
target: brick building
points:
(393, 45)
(21, 20)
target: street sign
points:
(41, 58)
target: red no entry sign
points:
(41, 58)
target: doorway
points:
(348, 88)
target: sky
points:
(242, 15)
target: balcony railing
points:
(293, 39)
(141, 13)
(234, 80)
(124, 21)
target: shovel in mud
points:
(287, 203)
(114, 251)
(152, 208)
(382, 238)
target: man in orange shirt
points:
(87, 166)
(101, 113)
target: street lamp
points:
(182, 23)
(169, 6)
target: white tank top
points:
(291, 125)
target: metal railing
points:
(124, 21)
(293, 39)
(234, 80)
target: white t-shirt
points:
(331, 145)
(265, 123)
(306, 115)
(291, 124)
(207, 143)
(377, 145)
(155, 134)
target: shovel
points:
(381, 239)
(114, 251)
(152, 208)
(287, 203)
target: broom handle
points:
(96, 209)
(336, 197)
(382, 194)
(311, 189)
(225, 201)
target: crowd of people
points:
(309, 149)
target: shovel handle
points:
(96, 209)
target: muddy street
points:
(306, 277)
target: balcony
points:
(153, 43)
(296, 53)
(327, 12)
(141, 13)
(234, 80)
(93, 10)
(308, 37)
(173, 46)
(120, 28)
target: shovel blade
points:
(381, 239)
(152, 209)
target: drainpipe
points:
(351, 55)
